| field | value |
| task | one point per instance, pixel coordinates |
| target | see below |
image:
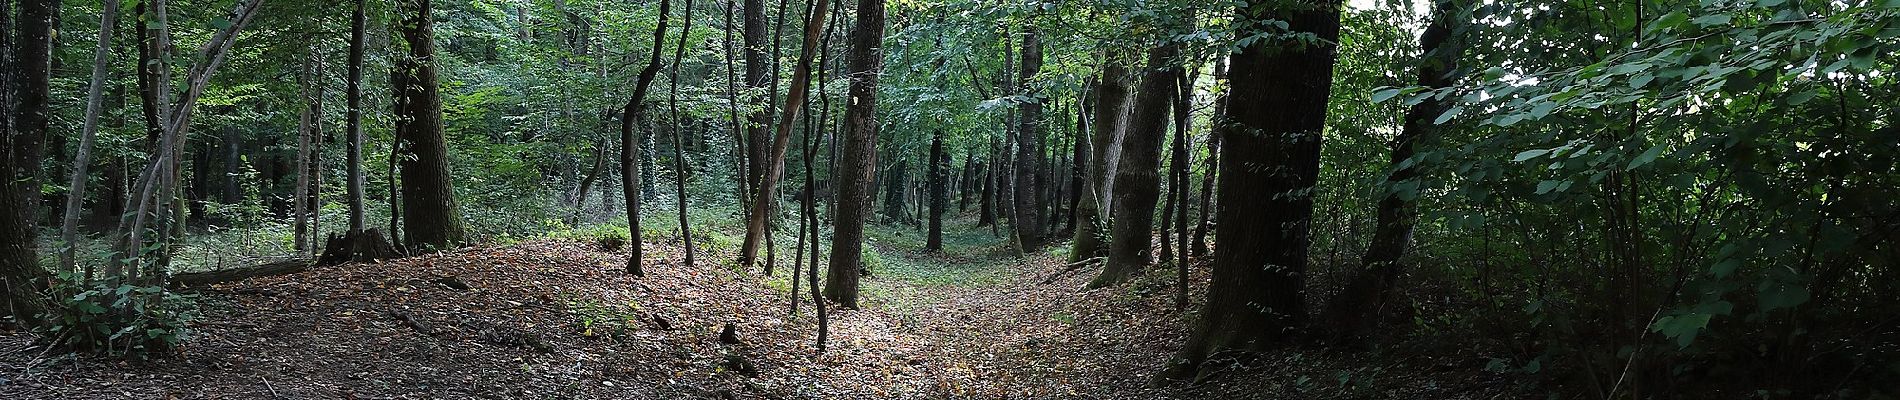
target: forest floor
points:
(559, 319)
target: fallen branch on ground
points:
(205, 278)
(1071, 267)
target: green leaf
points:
(1646, 157)
(1683, 327)
(1713, 19)
(1546, 186)
(1801, 97)
(1784, 295)
(1530, 154)
(1382, 95)
(1448, 115)
(1641, 80)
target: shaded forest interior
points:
(1460, 199)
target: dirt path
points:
(556, 319)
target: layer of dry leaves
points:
(556, 319)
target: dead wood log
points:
(206, 278)
(1070, 267)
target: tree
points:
(634, 111)
(865, 60)
(757, 224)
(679, 155)
(361, 243)
(1028, 209)
(1138, 181)
(1271, 146)
(1110, 94)
(431, 216)
(95, 97)
(939, 177)
(1352, 312)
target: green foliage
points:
(121, 319)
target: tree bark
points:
(1030, 218)
(1138, 181)
(679, 154)
(938, 178)
(865, 60)
(630, 115)
(33, 59)
(1272, 144)
(764, 201)
(431, 217)
(1105, 137)
(759, 118)
(1356, 309)
(1213, 160)
(82, 159)
(353, 88)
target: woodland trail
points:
(555, 319)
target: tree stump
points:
(357, 246)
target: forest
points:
(950, 199)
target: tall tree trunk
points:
(679, 155)
(300, 241)
(1271, 163)
(1030, 220)
(763, 203)
(1183, 108)
(759, 118)
(431, 216)
(31, 94)
(23, 282)
(1105, 137)
(1356, 309)
(986, 212)
(741, 173)
(82, 159)
(1213, 161)
(353, 122)
(865, 60)
(630, 115)
(938, 178)
(894, 182)
(1138, 181)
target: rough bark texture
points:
(353, 122)
(23, 281)
(1030, 218)
(939, 177)
(864, 61)
(33, 61)
(432, 219)
(1355, 310)
(1271, 162)
(1111, 106)
(1138, 178)
(759, 120)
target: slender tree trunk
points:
(301, 239)
(938, 178)
(894, 200)
(1356, 309)
(95, 99)
(1111, 108)
(353, 122)
(757, 226)
(1272, 143)
(431, 216)
(1030, 220)
(741, 173)
(1138, 181)
(986, 212)
(679, 155)
(865, 61)
(1183, 108)
(630, 114)
(1213, 160)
